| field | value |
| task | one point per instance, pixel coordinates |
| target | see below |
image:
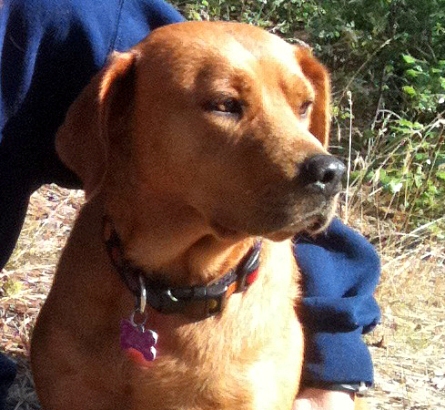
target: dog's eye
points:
(226, 106)
(304, 108)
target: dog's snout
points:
(323, 173)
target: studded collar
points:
(195, 302)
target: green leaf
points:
(405, 122)
(408, 89)
(412, 73)
(441, 175)
(408, 59)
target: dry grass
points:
(25, 281)
(408, 347)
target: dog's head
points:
(223, 117)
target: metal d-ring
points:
(142, 302)
(141, 325)
(140, 305)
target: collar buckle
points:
(196, 302)
(248, 271)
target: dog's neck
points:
(196, 302)
(175, 239)
(166, 251)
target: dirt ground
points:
(408, 348)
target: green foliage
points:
(411, 165)
(425, 85)
(283, 16)
(390, 56)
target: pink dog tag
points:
(138, 343)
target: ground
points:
(408, 347)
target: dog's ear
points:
(317, 74)
(83, 140)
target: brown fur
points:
(189, 189)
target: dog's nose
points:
(323, 173)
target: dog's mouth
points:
(310, 225)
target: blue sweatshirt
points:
(49, 51)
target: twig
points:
(348, 174)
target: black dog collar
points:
(196, 302)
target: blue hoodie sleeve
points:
(341, 270)
(49, 51)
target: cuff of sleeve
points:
(334, 358)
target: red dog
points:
(202, 152)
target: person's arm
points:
(49, 51)
(340, 273)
